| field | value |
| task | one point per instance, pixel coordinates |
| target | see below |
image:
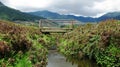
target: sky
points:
(92, 8)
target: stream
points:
(56, 59)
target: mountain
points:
(53, 15)
(47, 14)
(7, 13)
(111, 15)
(1, 4)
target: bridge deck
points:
(54, 28)
(53, 31)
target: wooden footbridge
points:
(55, 28)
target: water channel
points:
(56, 59)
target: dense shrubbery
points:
(19, 46)
(23, 45)
(4, 49)
(97, 41)
(48, 41)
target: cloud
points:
(76, 7)
(108, 5)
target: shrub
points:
(4, 49)
(98, 41)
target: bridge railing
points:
(55, 21)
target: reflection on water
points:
(83, 62)
(57, 60)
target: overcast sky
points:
(76, 7)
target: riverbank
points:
(99, 41)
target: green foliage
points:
(24, 63)
(19, 46)
(73, 48)
(99, 41)
(47, 41)
(18, 60)
(25, 45)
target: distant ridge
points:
(53, 15)
(110, 15)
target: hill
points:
(7, 13)
(111, 15)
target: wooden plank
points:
(67, 28)
(54, 28)
(55, 31)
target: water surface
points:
(55, 59)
